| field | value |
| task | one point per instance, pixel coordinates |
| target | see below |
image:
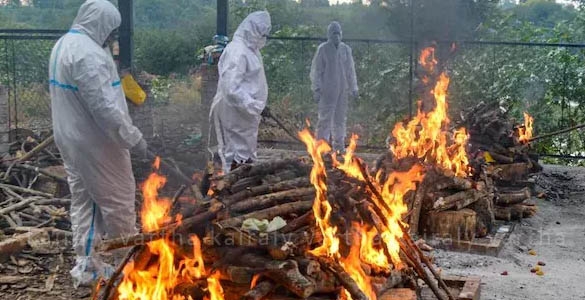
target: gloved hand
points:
(266, 112)
(316, 96)
(141, 149)
(354, 95)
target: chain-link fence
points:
(24, 58)
(544, 79)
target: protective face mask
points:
(262, 42)
(336, 38)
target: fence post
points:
(222, 17)
(126, 8)
(4, 115)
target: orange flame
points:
(427, 59)
(393, 191)
(214, 287)
(368, 253)
(254, 280)
(321, 208)
(425, 136)
(525, 133)
(159, 279)
(352, 265)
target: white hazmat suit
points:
(242, 92)
(333, 80)
(93, 132)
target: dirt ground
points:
(556, 234)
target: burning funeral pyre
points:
(326, 226)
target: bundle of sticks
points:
(33, 189)
(502, 147)
(497, 138)
(281, 262)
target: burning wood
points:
(327, 246)
(348, 227)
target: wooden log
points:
(143, 238)
(458, 183)
(416, 208)
(268, 200)
(16, 218)
(17, 243)
(10, 221)
(458, 200)
(503, 159)
(514, 212)
(344, 278)
(382, 284)
(399, 294)
(44, 171)
(17, 206)
(510, 172)
(304, 220)
(261, 290)
(237, 274)
(460, 224)
(270, 188)
(48, 141)
(54, 201)
(510, 198)
(251, 170)
(244, 183)
(485, 215)
(285, 273)
(270, 213)
(25, 190)
(325, 282)
(309, 267)
(13, 279)
(502, 213)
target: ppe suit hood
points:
(97, 19)
(332, 28)
(254, 29)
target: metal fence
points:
(481, 71)
(24, 58)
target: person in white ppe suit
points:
(333, 81)
(94, 133)
(242, 92)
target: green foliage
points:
(164, 51)
(547, 82)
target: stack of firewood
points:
(445, 205)
(33, 187)
(494, 136)
(279, 264)
(497, 188)
(498, 151)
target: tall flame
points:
(321, 207)
(158, 280)
(362, 249)
(426, 137)
(352, 265)
(525, 133)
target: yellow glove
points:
(132, 90)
